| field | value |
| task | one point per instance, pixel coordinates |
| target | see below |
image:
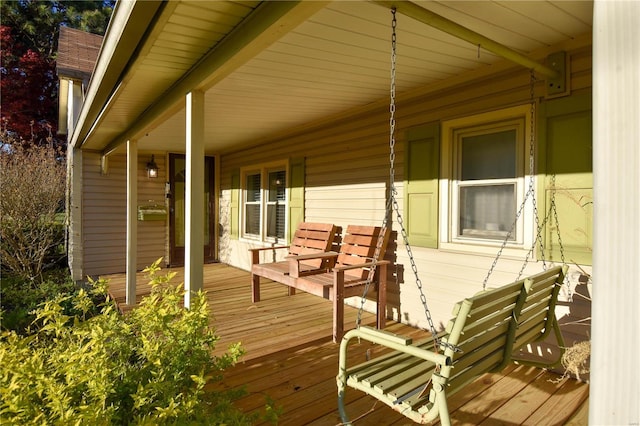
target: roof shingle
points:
(77, 52)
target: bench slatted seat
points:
(309, 238)
(483, 336)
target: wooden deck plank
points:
(528, 400)
(564, 404)
(581, 415)
(291, 358)
(485, 404)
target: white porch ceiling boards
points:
(335, 61)
(184, 32)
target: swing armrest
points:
(385, 335)
(391, 341)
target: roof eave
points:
(129, 25)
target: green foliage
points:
(29, 31)
(20, 297)
(149, 366)
(37, 22)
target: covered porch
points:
(291, 359)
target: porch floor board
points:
(291, 358)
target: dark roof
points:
(77, 52)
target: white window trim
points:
(526, 225)
(264, 170)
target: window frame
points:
(263, 170)
(453, 131)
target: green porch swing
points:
(486, 330)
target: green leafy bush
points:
(19, 297)
(149, 366)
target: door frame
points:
(176, 253)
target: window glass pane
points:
(487, 211)
(277, 186)
(276, 206)
(207, 200)
(265, 204)
(489, 156)
(252, 206)
(179, 200)
(253, 187)
(275, 220)
(252, 219)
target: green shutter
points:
(422, 160)
(234, 210)
(566, 129)
(296, 194)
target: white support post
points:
(132, 220)
(74, 214)
(615, 331)
(194, 199)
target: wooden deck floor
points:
(291, 358)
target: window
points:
(483, 163)
(264, 203)
(486, 187)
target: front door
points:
(177, 180)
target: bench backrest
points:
(311, 237)
(359, 246)
(489, 326)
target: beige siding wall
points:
(104, 214)
(347, 169)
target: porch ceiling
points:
(334, 61)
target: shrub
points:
(149, 366)
(20, 297)
(33, 189)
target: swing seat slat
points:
(487, 329)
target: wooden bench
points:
(485, 333)
(336, 275)
(309, 238)
(350, 274)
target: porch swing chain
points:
(530, 193)
(392, 203)
(532, 140)
(385, 222)
(554, 210)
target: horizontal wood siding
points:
(104, 214)
(152, 235)
(347, 172)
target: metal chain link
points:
(392, 203)
(532, 126)
(530, 193)
(532, 141)
(555, 215)
(392, 141)
(557, 224)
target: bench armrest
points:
(268, 248)
(255, 252)
(311, 256)
(361, 265)
(294, 261)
